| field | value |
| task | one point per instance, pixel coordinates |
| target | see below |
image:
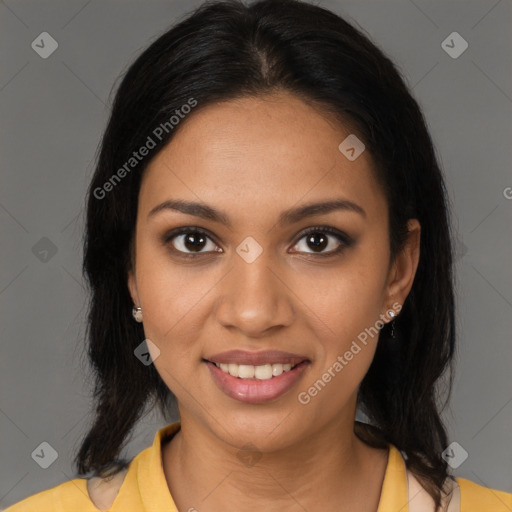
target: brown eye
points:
(319, 239)
(190, 241)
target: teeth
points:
(233, 370)
(261, 372)
(246, 371)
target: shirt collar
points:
(394, 495)
(150, 473)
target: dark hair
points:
(221, 51)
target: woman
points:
(268, 242)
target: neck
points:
(329, 469)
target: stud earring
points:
(137, 314)
(392, 314)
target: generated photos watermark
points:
(304, 397)
(137, 156)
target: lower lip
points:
(256, 391)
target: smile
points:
(249, 371)
(262, 386)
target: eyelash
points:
(346, 241)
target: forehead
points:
(256, 154)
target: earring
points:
(137, 314)
(392, 314)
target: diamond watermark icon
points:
(45, 455)
(454, 45)
(147, 352)
(454, 455)
(249, 455)
(44, 45)
(351, 147)
(44, 250)
(249, 249)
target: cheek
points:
(346, 349)
(347, 304)
(347, 298)
(173, 298)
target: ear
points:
(403, 270)
(132, 281)
(132, 287)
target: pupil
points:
(189, 241)
(318, 244)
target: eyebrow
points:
(290, 216)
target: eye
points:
(317, 239)
(190, 239)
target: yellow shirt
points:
(145, 489)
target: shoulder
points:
(476, 498)
(69, 495)
(462, 496)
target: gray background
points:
(53, 113)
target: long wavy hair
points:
(225, 50)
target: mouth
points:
(259, 372)
(250, 358)
(256, 384)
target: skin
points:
(254, 158)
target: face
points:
(255, 280)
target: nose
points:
(254, 298)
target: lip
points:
(255, 391)
(257, 358)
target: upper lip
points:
(256, 358)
